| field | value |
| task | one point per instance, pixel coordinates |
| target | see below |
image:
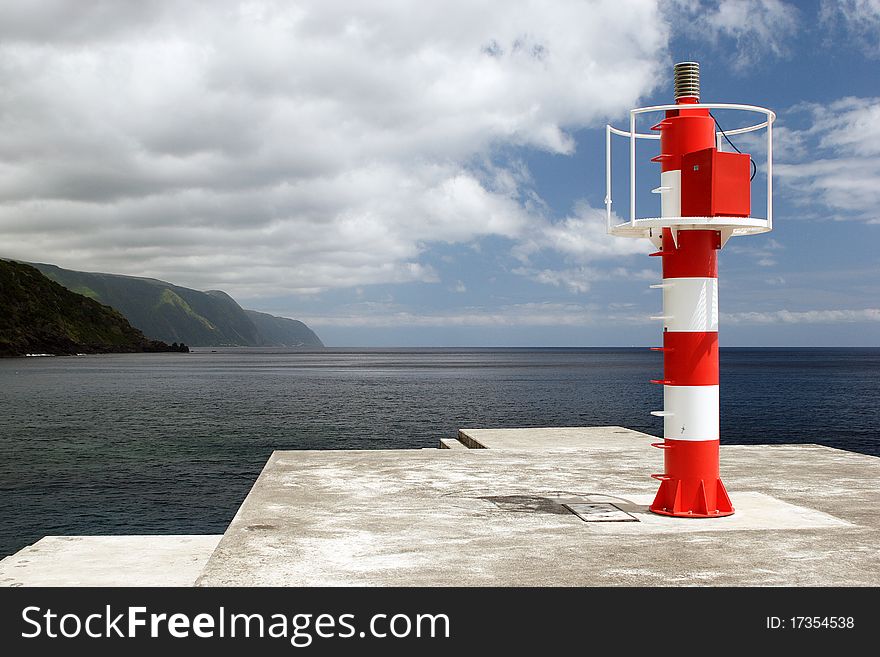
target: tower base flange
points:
(683, 498)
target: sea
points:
(172, 443)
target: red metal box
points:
(715, 183)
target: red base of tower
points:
(691, 487)
(690, 499)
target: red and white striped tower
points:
(705, 200)
(691, 485)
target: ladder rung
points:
(663, 349)
(662, 413)
(661, 317)
(665, 382)
(660, 190)
(659, 286)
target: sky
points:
(432, 173)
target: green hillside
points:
(171, 313)
(38, 315)
(283, 332)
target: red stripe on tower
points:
(696, 255)
(690, 359)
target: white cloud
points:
(858, 19)
(788, 145)
(764, 253)
(580, 237)
(271, 147)
(843, 172)
(804, 317)
(391, 315)
(577, 242)
(849, 125)
(758, 28)
(848, 187)
(579, 279)
(526, 314)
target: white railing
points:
(633, 228)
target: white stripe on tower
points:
(693, 412)
(690, 304)
(670, 193)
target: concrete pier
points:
(109, 561)
(489, 508)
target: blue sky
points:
(436, 177)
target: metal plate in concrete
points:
(599, 512)
(109, 561)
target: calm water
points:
(153, 443)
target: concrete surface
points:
(493, 516)
(451, 443)
(109, 561)
(555, 439)
(754, 511)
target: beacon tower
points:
(705, 198)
